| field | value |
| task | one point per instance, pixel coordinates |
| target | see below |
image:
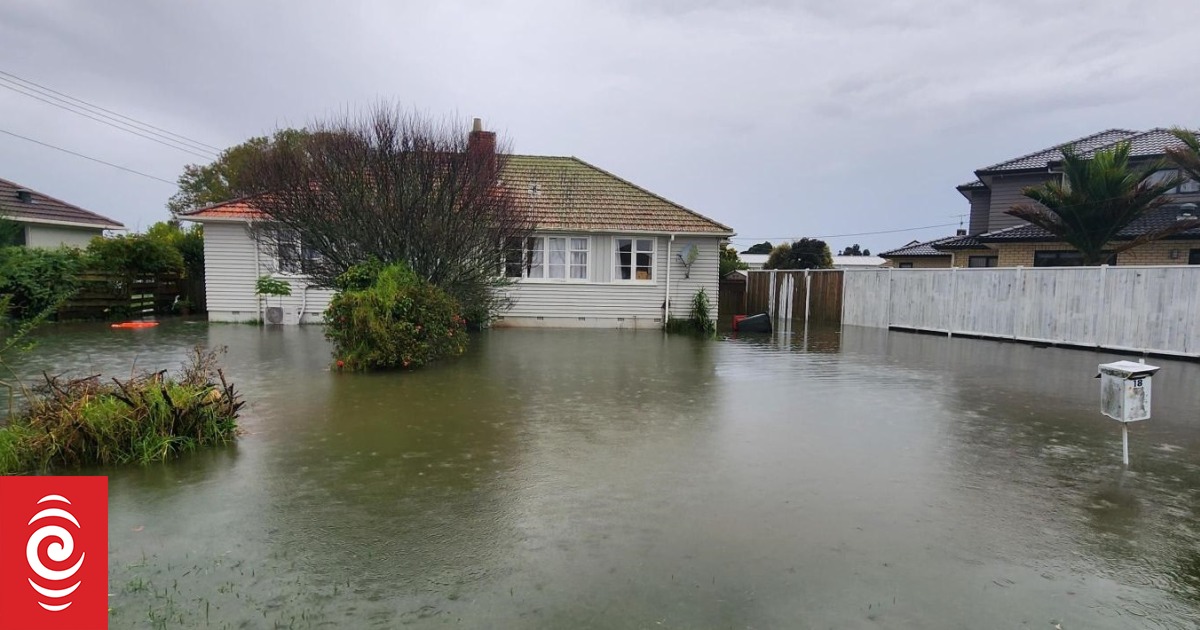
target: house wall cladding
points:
(51, 236)
(1006, 193)
(234, 266)
(1150, 309)
(604, 303)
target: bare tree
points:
(390, 185)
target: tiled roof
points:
(1040, 159)
(1156, 220)
(917, 248)
(44, 208)
(960, 242)
(1148, 143)
(566, 193)
(974, 184)
(562, 193)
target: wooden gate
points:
(796, 295)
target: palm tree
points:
(1187, 157)
(1098, 198)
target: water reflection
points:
(843, 478)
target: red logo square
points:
(53, 553)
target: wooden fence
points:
(796, 295)
(1141, 309)
(106, 296)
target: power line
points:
(44, 89)
(912, 229)
(105, 122)
(88, 157)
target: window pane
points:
(579, 265)
(624, 259)
(982, 261)
(644, 263)
(558, 257)
(579, 244)
(1194, 257)
(536, 253)
(645, 245)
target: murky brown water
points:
(602, 479)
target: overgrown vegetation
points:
(147, 418)
(386, 317)
(396, 186)
(806, 253)
(730, 261)
(699, 320)
(34, 279)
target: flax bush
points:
(385, 317)
(151, 417)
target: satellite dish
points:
(688, 255)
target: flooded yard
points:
(607, 479)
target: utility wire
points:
(44, 89)
(88, 157)
(912, 229)
(208, 155)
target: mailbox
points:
(1125, 390)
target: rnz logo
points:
(54, 552)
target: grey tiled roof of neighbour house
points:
(1147, 143)
(916, 248)
(970, 185)
(959, 242)
(1156, 220)
(1040, 159)
(41, 208)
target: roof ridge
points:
(653, 194)
(68, 204)
(1057, 147)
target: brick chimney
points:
(480, 141)
(481, 149)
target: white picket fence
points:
(1143, 309)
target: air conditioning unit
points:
(274, 315)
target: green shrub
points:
(699, 321)
(148, 418)
(133, 255)
(38, 279)
(387, 318)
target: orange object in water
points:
(135, 325)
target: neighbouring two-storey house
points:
(995, 238)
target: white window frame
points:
(545, 264)
(616, 264)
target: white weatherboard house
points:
(49, 222)
(604, 253)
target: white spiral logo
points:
(59, 551)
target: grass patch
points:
(148, 418)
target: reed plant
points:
(147, 418)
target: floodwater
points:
(608, 479)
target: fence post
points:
(1096, 318)
(771, 297)
(807, 293)
(1018, 315)
(887, 311)
(953, 306)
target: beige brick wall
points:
(962, 258)
(1156, 253)
(921, 262)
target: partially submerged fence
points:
(796, 295)
(105, 295)
(1142, 309)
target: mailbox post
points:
(1125, 395)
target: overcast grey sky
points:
(781, 119)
